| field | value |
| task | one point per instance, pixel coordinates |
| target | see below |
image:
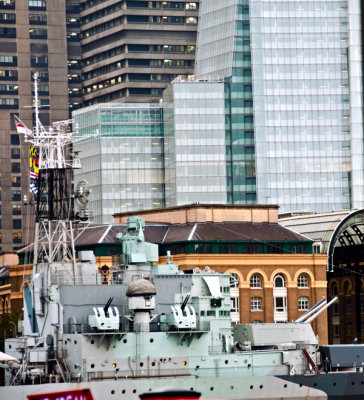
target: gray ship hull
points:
(257, 387)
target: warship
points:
(149, 325)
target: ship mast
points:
(53, 242)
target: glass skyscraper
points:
(194, 148)
(121, 151)
(294, 131)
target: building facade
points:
(121, 152)
(194, 144)
(131, 50)
(294, 99)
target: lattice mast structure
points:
(54, 241)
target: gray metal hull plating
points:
(268, 387)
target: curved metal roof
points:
(331, 229)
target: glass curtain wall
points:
(224, 52)
(302, 109)
(194, 143)
(121, 153)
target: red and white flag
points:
(21, 128)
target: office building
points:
(121, 152)
(131, 50)
(293, 76)
(194, 144)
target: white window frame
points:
(303, 303)
(256, 304)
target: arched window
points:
(303, 303)
(334, 289)
(279, 281)
(255, 281)
(347, 288)
(256, 304)
(234, 280)
(302, 281)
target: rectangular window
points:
(303, 303)
(9, 103)
(40, 4)
(203, 248)
(9, 4)
(42, 75)
(280, 304)
(227, 248)
(8, 75)
(16, 181)
(37, 19)
(16, 223)
(15, 152)
(8, 60)
(17, 237)
(256, 304)
(38, 33)
(16, 195)
(15, 167)
(16, 209)
(234, 304)
(39, 61)
(336, 331)
(14, 139)
(7, 32)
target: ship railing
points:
(127, 327)
(64, 278)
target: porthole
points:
(125, 341)
(261, 387)
(226, 361)
(92, 365)
(123, 391)
(114, 365)
(75, 342)
(141, 364)
(334, 384)
(251, 387)
(211, 388)
(285, 385)
(113, 392)
(315, 384)
(353, 383)
(191, 388)
(301, 384)
(134, 390)
(92, 342)
(151, 340)
(153, 364)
